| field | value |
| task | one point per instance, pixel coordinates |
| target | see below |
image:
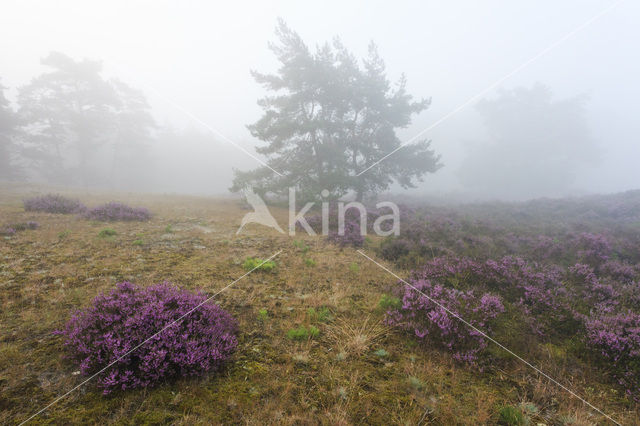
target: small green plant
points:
(138, 243)
(416, 382)
(168, 229)
(322, 314)
(389, 302)
(354, 267)
(301, 245)
(64, 234)
(302, 333)
(252, 263)
(309, 262)
(107, 232)
(381, 353)
(263, 315)
(511, 416)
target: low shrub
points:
(616, 339)
(113, 211)
(351, 236)
(252, 263)
(118, 322)
(24, 226)
(428, 321)
(7, 231)
(12, 228)
(53, 203)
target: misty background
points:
(564, 125)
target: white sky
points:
(199, 54)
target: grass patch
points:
(303, 333)
(107, 232)
(511, 416)
(252, 263)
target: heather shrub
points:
(53, 203)
(254, 263)
(113, 211)
(24, 226)
(12, 228)
(7, 231)
(431, 322)
(350, 237)
(119, 321)
(616, 338)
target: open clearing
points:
(339, 377)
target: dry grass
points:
(47, 273)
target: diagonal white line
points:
(501, 346)
(498, 82)
(146, 340)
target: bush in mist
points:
(118, 322)
(53, 203)
(113, 211)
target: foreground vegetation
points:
(314, 341)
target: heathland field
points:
(324, 335)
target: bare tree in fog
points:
(535, 147)
(72, 116)
(329, 118)
(9, 169)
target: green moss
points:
(309, 262)
(302, 333)
(138, 243)
(107, 232)
(263, 315)
(301, 245)
(254, 263)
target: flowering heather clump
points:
(429, 321)
(593, 249)
(53, 203)
(111, 212)
(617, 338)
(351, 237)
(7, 231)
(23, 226)
(121, 320)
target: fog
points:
(564, 124)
